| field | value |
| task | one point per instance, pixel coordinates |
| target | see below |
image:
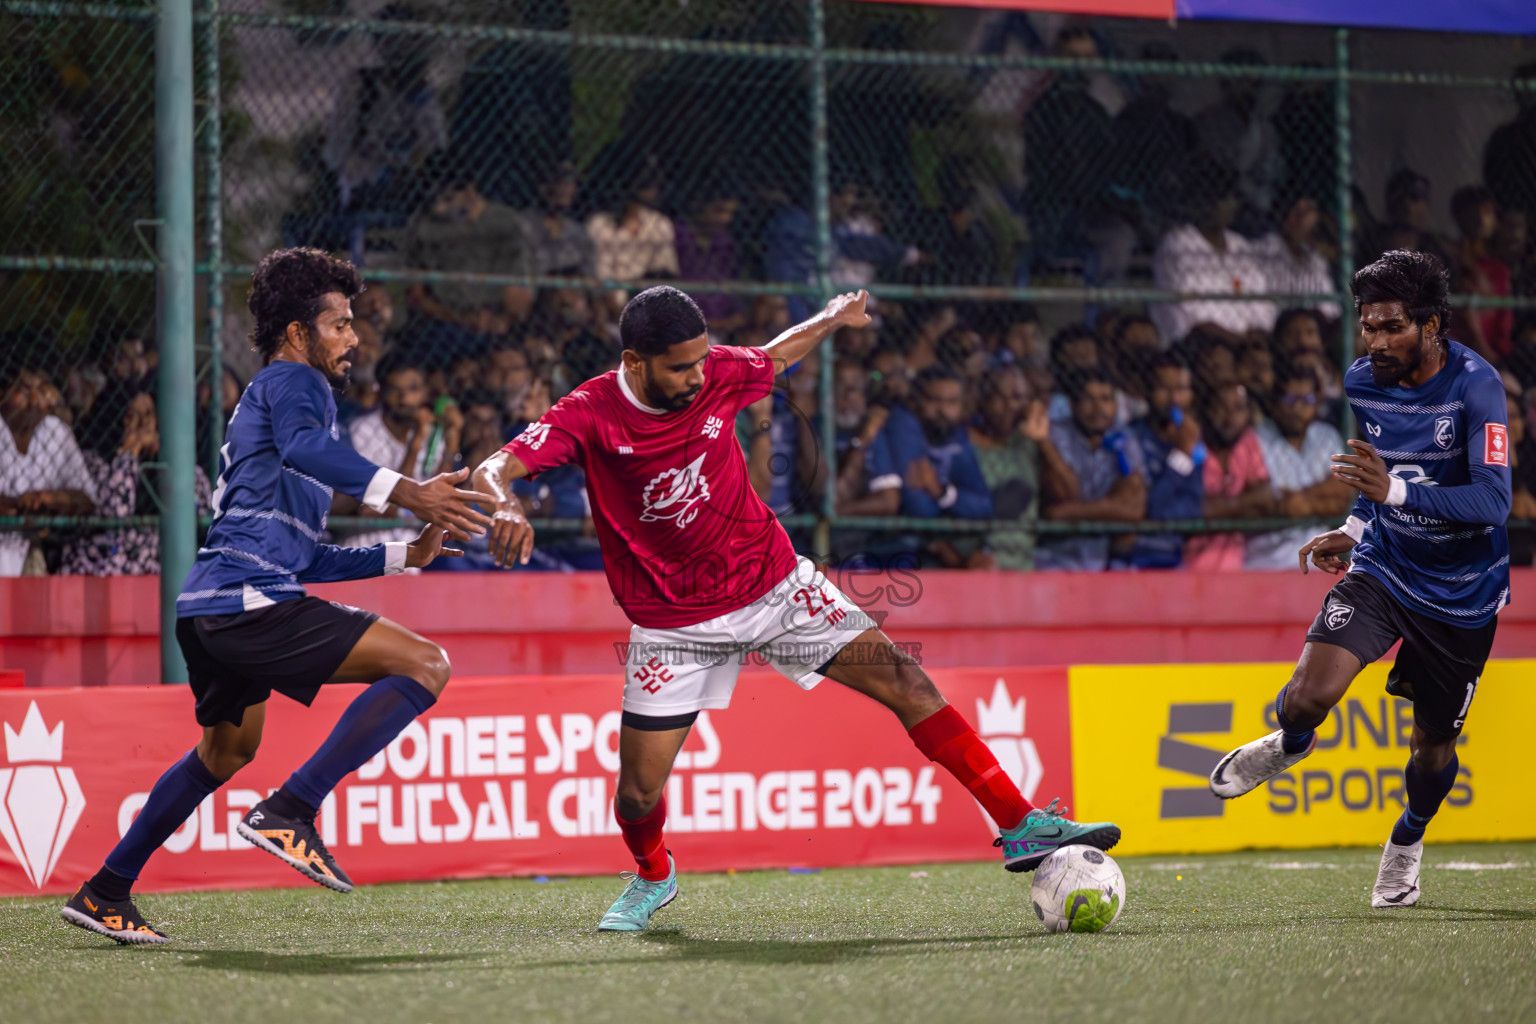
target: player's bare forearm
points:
(789, 348)
(511, 533)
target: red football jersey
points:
(684, 536)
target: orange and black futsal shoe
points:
(295, 842)
(118, 920)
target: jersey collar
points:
(633, 400)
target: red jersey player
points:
(705, 572)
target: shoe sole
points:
(663, 903)
(261, 842)
(1100, 839)
(122, 938)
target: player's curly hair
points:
(287, 288)
(659, 318)
(1416, 279)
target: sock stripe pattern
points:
(172, 801)
(947, 738)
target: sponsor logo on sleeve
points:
(1496, 445)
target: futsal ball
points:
(1078, 889)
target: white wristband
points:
(379, 489)
(394, 557)
(1397, 490)
(1180, 462)
(1355, 527)
(951, 495)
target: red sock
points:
(946, 737)
(644, 839)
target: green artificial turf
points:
(1248, 937)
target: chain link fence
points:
(1092, 243)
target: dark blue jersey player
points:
(1428, 553)
(243, 620)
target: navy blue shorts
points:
(1439, 664)
(292, 648)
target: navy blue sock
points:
(366, 727)
(1295, 737)
(1426, 792)
(172, 801)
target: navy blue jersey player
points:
(243, 620)
(1427, 550)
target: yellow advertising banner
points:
(1146, 737)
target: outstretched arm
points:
(511, 533)
(792, 346)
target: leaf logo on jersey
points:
(1338, 615)
(1445, 431)
(676, 495)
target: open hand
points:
(847, 310)
(440, 501)
(511, 536)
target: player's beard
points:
(340, 380)
(676, 403)
(1388, 372)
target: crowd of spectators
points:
(1222, 407)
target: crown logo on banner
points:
(1000, 721)
(1000, 716)
(34, 742)
(40, 800)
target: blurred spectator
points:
(1306, 122)
(633, 240)
(931, 322)
(1068, 152)
(1509, 162)
(1207, 257)
(890, 382)
(1290, 257)
(83, 385)
(1215, 361)
(1256, 373)
(1299, 343)
(1236, 479)
(128, 373)
(509, 374)
(958, 246)
(558, 245)
(796, 470)
(1239, 131)
(403, 434)
(1298, 450)
(1134, 349)
(126, 487)
(964, 351)
(1410, 221)
(707, 252)
(513, 114)
(1084, 479)
(462, 231)
(377, 307)
(1522, 350)
(42, 470)
(386, 125)
(1021, 337)
(1010, 427)
(232, 387)
(1075, 349)
(1511, 246)
(926, 459)
(1479, 272)
(1165, 445)
(1152, 141)
(860, 247)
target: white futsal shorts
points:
(797, 627)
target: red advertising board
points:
(514, 776)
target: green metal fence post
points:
(214, 182)
(1343, 145)
(820, 175)
(174, 184)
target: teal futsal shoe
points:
(1043, 832)
(632, 911)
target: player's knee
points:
(430, 667)
(913, 690)
(224, 761)
(632, 802)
